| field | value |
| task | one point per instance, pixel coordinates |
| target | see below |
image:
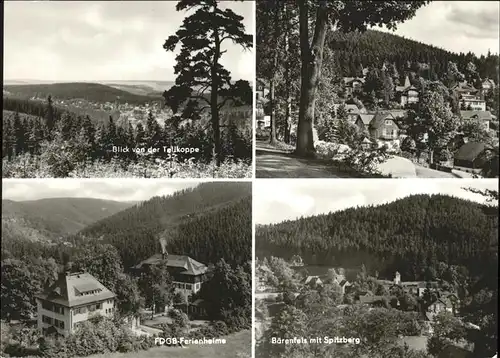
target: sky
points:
(278, 200)
(458, 26)
(109, 189)
(103, 40)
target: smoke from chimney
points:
(163, 243)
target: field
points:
(238, 346)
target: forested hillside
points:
(214, 221)
(94, 92)
(406, 235)
(354, 51)
(47, 219)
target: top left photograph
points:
(145, 89)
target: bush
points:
(52, 166)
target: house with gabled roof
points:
(73, 299)
(380, 125)
(187, 274)
(487, 84)
(484, 117)
(353, 84)
(470, 157)
(407, 94)
(313, 281)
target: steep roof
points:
(348, 80)
(470, 151)
(76, 289)
(351, 108)
(366, 118)
(311, 279)
(189, 266)
(480, 115)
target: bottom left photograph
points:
(122, 268)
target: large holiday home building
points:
(73, 299)
(470, 98)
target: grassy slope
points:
(237, 345)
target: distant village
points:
(280, 282)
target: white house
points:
(72, 300)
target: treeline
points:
(357, 50)
(408, 235)
(221, 233)
(64, 139)
(213, 221)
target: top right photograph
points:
(374, 89)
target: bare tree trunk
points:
(272, 135)
(272, 84)
(311, 61)
(214, 99)
(288, 82)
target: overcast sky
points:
(458, 26)
(108, 189)
(278, 200)
(103, 40)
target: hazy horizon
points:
(123, 190)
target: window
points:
(46, 319)
(52, 307)
(189, 286)
(388, 122)
(58, 323)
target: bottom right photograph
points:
(369, 268)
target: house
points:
(353, 84)
(469, 96)
(187, 274)
(416, 288)
(313, 281)
(472, 102)
(383, 127)
(340, 280)
(407, 94)
(463, 88)
(470, 157)
(196, 310)
(262, 89)
(440, 305)
(484, 117)
(73, 299)
(487, 85)
(363, 121)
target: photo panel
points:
(155, 89)
(356, 268)
(126, 268)
(376, 89)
